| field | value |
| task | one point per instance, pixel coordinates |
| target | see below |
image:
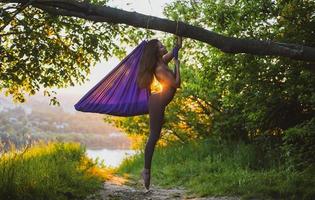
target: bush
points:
(267, 150)
(299, 145)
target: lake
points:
(111, 157)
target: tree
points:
(39, 49)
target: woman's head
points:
(152, 52)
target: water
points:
(112, 158)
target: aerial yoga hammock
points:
(118, 93)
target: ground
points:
(119, 189)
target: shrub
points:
(299, 145)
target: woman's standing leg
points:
(156, 115)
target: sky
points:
(148, 7)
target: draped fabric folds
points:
(118, 93)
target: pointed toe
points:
(146, 178)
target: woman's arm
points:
(177, 72)
(168, 56)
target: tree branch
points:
(226, 44)
(205, 108)
(179, 137)
(23, 6)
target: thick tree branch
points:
(226, 44)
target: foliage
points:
(38, 49)
(48, 171)
(299, 145)
(256, 95)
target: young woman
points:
(154, 62)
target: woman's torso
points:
(168, 92)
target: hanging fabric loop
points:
(176, 27)
(176, 48)
(147, 29)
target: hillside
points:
(36, 119)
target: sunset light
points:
(156, 86)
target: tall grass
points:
(48, 171)
(211, 168)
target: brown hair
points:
(148, 64)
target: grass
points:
(49, 171)
(209, 168)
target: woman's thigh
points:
(156, 113)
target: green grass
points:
(48, 171)
(209, 168)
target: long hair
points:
(147, 64)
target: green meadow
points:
(210, 168)
(48, 171)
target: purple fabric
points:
(118, 93)
(175, 52)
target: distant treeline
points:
(20, 128)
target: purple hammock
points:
(118, 93)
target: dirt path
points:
(133, 190)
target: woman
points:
(154, 62)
